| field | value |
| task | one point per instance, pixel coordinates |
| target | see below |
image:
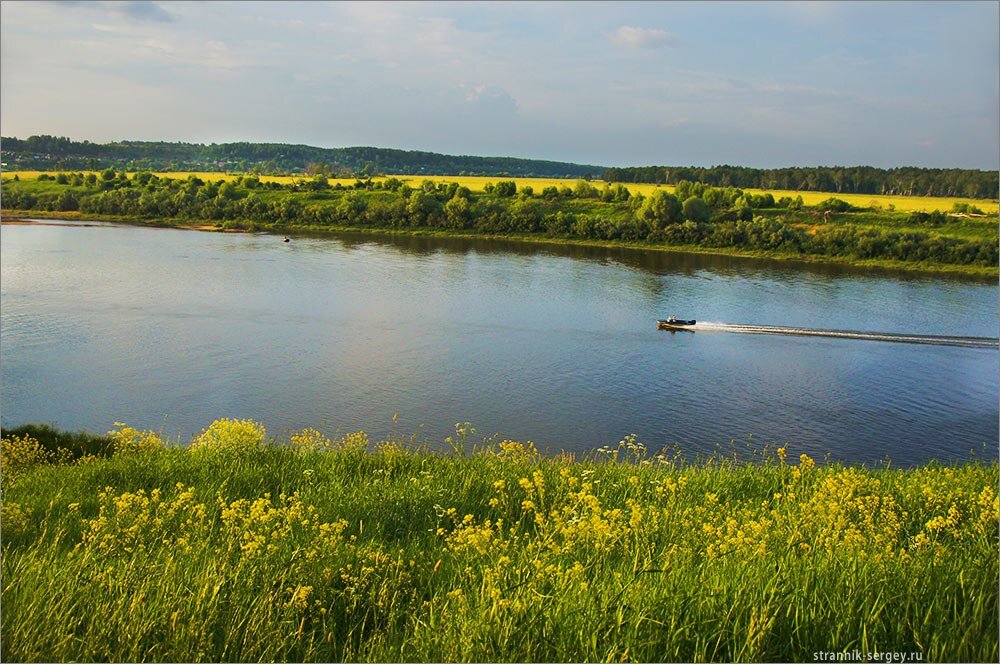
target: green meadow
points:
(238, 548)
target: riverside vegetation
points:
(234, 548)
(691, 216)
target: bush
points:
(126, 440)
(550, 193)
(584, 189)
(506, 188)
(230, 436)
(935, 218)
(834, 205)
(67, 202)
(965, 208)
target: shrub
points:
(506, 188)
(126, 440)
(834, 205)
(231, 435)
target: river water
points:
(170, 329)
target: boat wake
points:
(928, 339)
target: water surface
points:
(170, 329)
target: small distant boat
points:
(674, 324)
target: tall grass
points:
(234, 549)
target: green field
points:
(900, 203)
(236, 549)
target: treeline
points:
(53, 153)
(904, 181)
(700, 215)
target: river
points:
(169, 329)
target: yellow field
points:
(902, 203)
(476, 183)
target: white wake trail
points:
(928, 339)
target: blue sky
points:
(756, 84)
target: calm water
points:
(170, 329)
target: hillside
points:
(900, 181)
(53, 153)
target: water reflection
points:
(648, 260)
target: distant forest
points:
(59, 153)
(903, 181)
(55, 153)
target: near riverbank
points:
(120, 548)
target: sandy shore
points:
(62, 219)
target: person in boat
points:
(672, 319)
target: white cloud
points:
(489, 102)
(633, 37)
(134, 11)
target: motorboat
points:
(675, 324)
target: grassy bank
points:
(978, 272)
(234, 549)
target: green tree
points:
(550, 193)
(392, 184)
(67, 202)
(423, 208)
(352, 206)
(696, 210)
(456, 212)
(526, 216)
(229, 191)
(660, 210)
(583, 189)
(506, 188)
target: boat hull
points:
(675, 325)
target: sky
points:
(611, 84)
